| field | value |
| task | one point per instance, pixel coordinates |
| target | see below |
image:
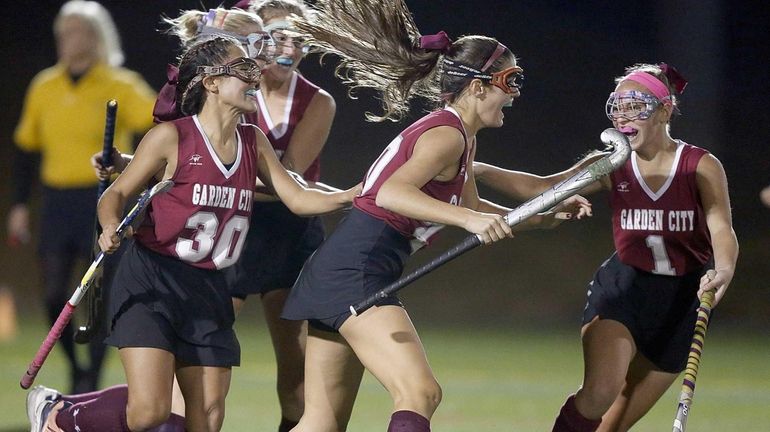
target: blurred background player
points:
(674, 239)
(61, 125)
(422, 181)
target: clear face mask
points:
(244, 68)
(631, 105)
(258, 45)
(283, 36)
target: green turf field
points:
(493, 380)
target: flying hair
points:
(380, 47)
(376, 43)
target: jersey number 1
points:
(662, 262)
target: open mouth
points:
(629, 132)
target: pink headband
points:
(495, 55)
(656, 86)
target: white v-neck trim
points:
(656, 195)
(278, 132)
(225, 172)
(454, 111)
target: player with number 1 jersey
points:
(674, 241)
(662, 232)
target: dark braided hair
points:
(377, 43)
(210, 52)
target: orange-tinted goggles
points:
(508, 80)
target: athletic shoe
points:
(40, 400)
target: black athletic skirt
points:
(362, 256)
(277, 245)
(158, 301)
(659, 311)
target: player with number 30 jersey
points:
(170, 311)
(206, 215)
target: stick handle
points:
(109, 135)
(84, 333)
(693, 361)
(45, 348)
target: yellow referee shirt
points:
(64, 121)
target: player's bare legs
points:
(150, 377)
(204, 389)
(288, 338)
(387, 344)
(645, 384)
(607, 350)
(332, 377)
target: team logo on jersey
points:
(195, 159)
(623, 186)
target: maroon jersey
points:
(204, 218)
(662, 232)
(280, 130)
(395, 155)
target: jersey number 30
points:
(223, 252)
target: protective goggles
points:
(631, 105)
(508, 80)
(258, 45)
(244, 68)
(283, 35)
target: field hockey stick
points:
(563, 190)
(693, 361)
(94, 297)
(66, 314)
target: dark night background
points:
(571, 52)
